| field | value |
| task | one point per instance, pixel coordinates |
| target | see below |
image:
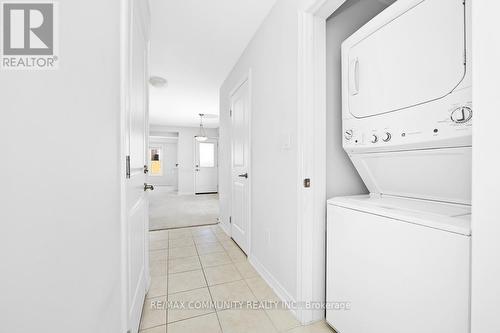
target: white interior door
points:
(137, 204)
(206, 168)
(163, 164)
(240, 164)
(171, 173)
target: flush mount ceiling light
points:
(202, 135)
(210, 116)
(158, 81)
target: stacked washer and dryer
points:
(400, 256)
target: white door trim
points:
(246, 77)
(311, 138)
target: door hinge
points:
(127, 166)
(307, 182)
(230, 113)
(230, 219)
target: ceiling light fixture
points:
(158, 81)
(202, 135)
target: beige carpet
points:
(169, 210)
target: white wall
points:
(59, 176)
(272, 56)
(485, 164)
(185, 151)
(342, 177)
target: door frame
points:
(311, 146)
(247, 77)
(194, 162)
(141, 11)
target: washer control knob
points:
(374, 138)
(348, 134)
(461, 115)
(386, 137)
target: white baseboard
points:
(224, 227)
(280, 291)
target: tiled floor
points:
(201, 282)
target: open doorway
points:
(183, 171)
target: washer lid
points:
(443, 216)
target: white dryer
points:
(401, 255)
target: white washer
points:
(401, 264)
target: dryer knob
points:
(374, 138)
(386, 137)
(461, 115)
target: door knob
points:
(244, 175)
(148, 187)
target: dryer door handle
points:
(354, 77)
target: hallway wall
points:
(272, 56)
(185, 151)
(485, 166)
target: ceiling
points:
(194, 45)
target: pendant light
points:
(202, 135)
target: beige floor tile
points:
(230, 245)
(282, 319)
(202, 231)
(157, 329)
(179, 233)
(180, 242)
(246, 269)
(245, 321)
(182, 252)
(215, 259)
(203, 324)
(222, 274)
(154, 313)
(158, 255)
(158, 268)
(319, 327)
(158, 244)
(206, 248)
(232, 295)
(261, 289)
(189, 304)
(205, 239)
(158, 286)
(185, 281)
(158, 235)
(237, 255)
(183, 265)
(222, 236)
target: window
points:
(155, 162)
(207, 154)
